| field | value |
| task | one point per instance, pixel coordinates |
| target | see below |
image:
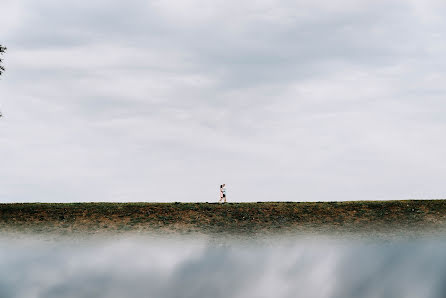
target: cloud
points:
(165, 100)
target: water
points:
(138, 267)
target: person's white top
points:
(224, 190)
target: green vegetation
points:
(2, 50)
(360, 217)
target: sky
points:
(163, 101)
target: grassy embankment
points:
(356, 218)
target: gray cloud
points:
(280, 100)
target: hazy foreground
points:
(196, 268)
(280, 250)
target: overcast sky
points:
(164, 100)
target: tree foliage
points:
(2, 50)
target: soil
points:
(358, 218)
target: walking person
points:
(222, 193)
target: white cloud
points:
(164, 101)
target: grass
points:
(358, 217)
